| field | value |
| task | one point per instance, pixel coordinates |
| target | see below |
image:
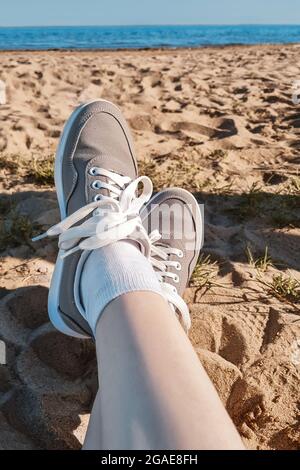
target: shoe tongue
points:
(115, 164)
(103, 191)
(172, 240)
(111, 164)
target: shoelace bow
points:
(113, 218)
(116, 217)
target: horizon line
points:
(143, 25)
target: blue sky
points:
(118, 12)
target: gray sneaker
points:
(95, 137)
(175, 224)
(96, 183)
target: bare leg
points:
(153, 391)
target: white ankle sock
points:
(110, 272)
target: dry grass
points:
(175, 172)
(42, 171)
(261, 262)
(16, 230)
(277, 209)
(248, 204)
(205, 273)
(10, 162)
(217, 154)
(39, 170)
(285, 288)
(293, 186)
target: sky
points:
(133, 12)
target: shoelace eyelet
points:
(180, 254)
(176, 279)
(178, 267)
(96, 184)
(97, 197)
(93, 171)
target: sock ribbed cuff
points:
(112, 271)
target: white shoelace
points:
(116, 217)
(159, 257)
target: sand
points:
(218, 121)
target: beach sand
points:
(217, 121)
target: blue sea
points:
(129, 37)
